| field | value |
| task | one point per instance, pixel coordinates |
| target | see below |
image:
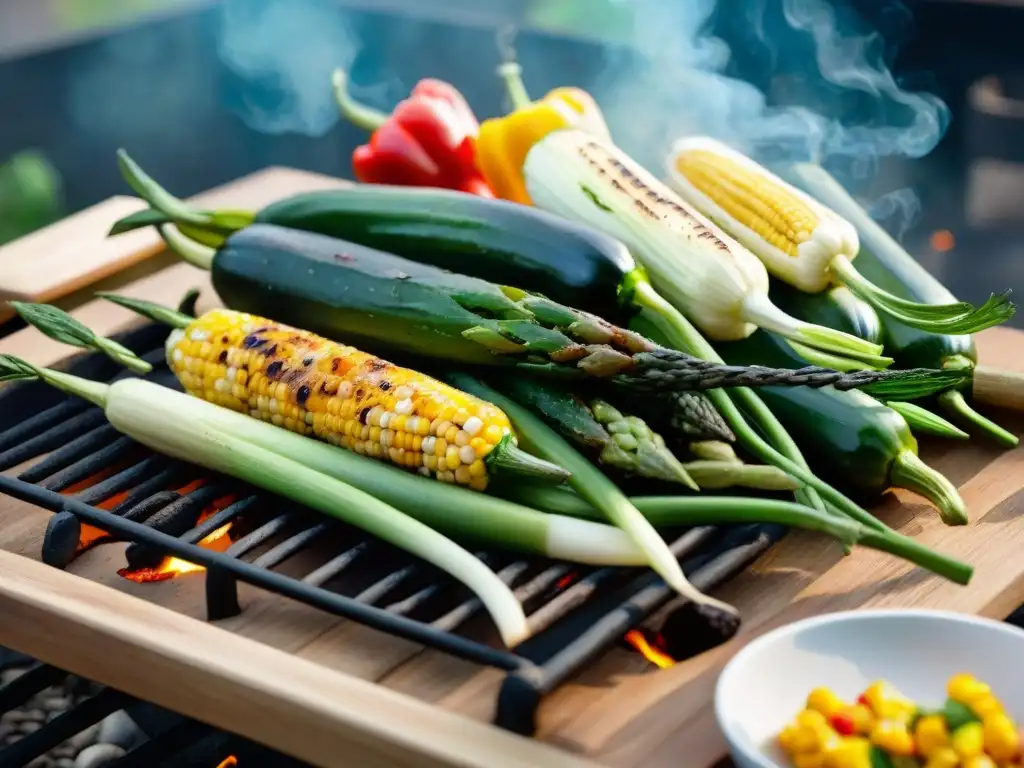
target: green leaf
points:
(958, 714)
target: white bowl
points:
(766, 684)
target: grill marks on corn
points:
(752, 199)
(312, 386)
(647, 200)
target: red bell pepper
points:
(426, 141)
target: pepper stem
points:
(908, 471)
(506, 456)
(953, 401)
(512, 74)
(360, 115)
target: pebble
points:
(97, 755)
(64, 762)
(10, 675)
(56, 703)
(41, 762)
(14, 717)
(35, 716)
(30, 727)
(83, 739)
(118, 728)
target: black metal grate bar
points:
(71, 453)
(21, 689)
(64, 726)
(54, 437)
(575, 611)
(121, 481)
(165, 748)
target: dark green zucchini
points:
(836, 307)
(887, 264)
(860, 444)
(498, 241)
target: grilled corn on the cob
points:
(799, 240)
(312, 386)
(704, 273)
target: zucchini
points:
(858, 443)
(887, 264)
(836, 307)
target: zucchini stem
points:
(923, 420)
(360, 115)
(515, 89)
(954, 319)
(157, 196)
(953, 401)
(196, 254)
(908, 471)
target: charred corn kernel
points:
(944, 757)
(930, 734)
(310, 385)
(964, 688)
(825, 701)
(979, 761)
(794, 235)
(852, 752)
(968, 740)
(893, 737)
(1002, 739)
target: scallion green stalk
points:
(591, 484)
(218, 439)
(666, 511)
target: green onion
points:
(218, 439)
(592, 485)
(667, 511)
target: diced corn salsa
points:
(884, 729)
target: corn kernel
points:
(811, 718)
(965, 687)
(985, 704)
(852, 752)
(493, 434)
(809, 760)
(479, 483)
(893, 737)
(863, 718)
(930, 734)
(979, 761)
(943, 757)
(477, 468)
(825, 701)
(968, 740)
(1002, 740)
(440, 447)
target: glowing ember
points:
(942, 240)
(566, 580)
(638, 640)
(172, 567)
(228, 762)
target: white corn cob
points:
(796, 237)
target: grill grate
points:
(97, 477)
(170, 739)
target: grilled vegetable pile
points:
(574, 355)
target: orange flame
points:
(659, 658)
(228, 762)
(171, 567)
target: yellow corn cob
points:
(313, 386)
(795, 236)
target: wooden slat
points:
(323, 717)
(76, 252)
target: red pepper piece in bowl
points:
(426, 141)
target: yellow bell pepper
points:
(503, 142)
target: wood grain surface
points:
(620, 711)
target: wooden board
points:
(620, 711)
(76, 253)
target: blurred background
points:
(918, 106)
